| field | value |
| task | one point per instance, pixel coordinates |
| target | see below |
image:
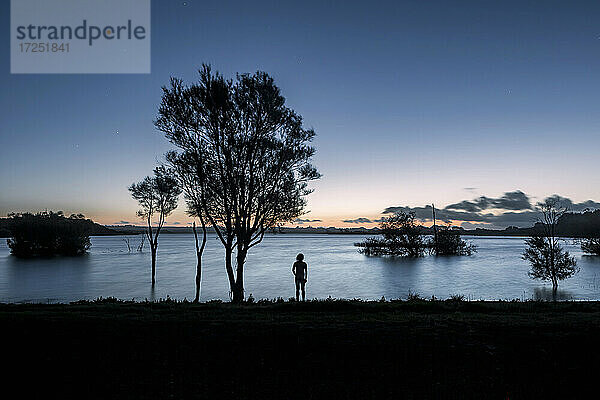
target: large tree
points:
(157, 196)
(549, 261)
(255, 157)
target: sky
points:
(413, 103)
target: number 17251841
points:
(44, 47)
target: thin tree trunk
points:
(435, 238)
(153, 265)
(198, 265)
(229, 268)
(199, 251)
(198, 277)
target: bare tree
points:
(549, 261)
(156, 195)
(254, 152)
(126, 240)
(141, 246)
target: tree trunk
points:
(554, 289)
(238, 292)
(199, 251)
(435, 238)
(198, 277)
(229, 268)
(153, 265)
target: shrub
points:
(457, 297)
(48, 234)
(413, 296)
(400, 236)
(449, 243)
(591, 246)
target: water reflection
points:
(591, 259)
(52, 278)
(545, 294)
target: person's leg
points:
(303, 290)
(297, 290)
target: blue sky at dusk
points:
(413, 102)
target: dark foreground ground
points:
(329, 349)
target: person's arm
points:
(306, 272)
(294, 269)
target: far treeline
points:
(8, 224)
(572, 225)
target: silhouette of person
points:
(300, 271)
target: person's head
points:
(300, 257)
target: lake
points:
(336, 269)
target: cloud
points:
(361, 220)
(516, 200)
(515, 210)
(469, 225)
(426, 214)
(122, 223)
(576, 207)
(175, 223)
(300, 221)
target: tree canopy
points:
(548, 260)
(157, 196)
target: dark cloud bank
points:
(300, 221)
(511, 209)
(361, 220)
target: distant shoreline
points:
(508, 232)
(573, 226)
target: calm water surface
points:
(336, 269)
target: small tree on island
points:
(448, 242)
(157, 196)
(591, 246)
(549, 261)
(48, 233)
(254, 156)
(400, 237)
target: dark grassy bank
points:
(329, 349)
